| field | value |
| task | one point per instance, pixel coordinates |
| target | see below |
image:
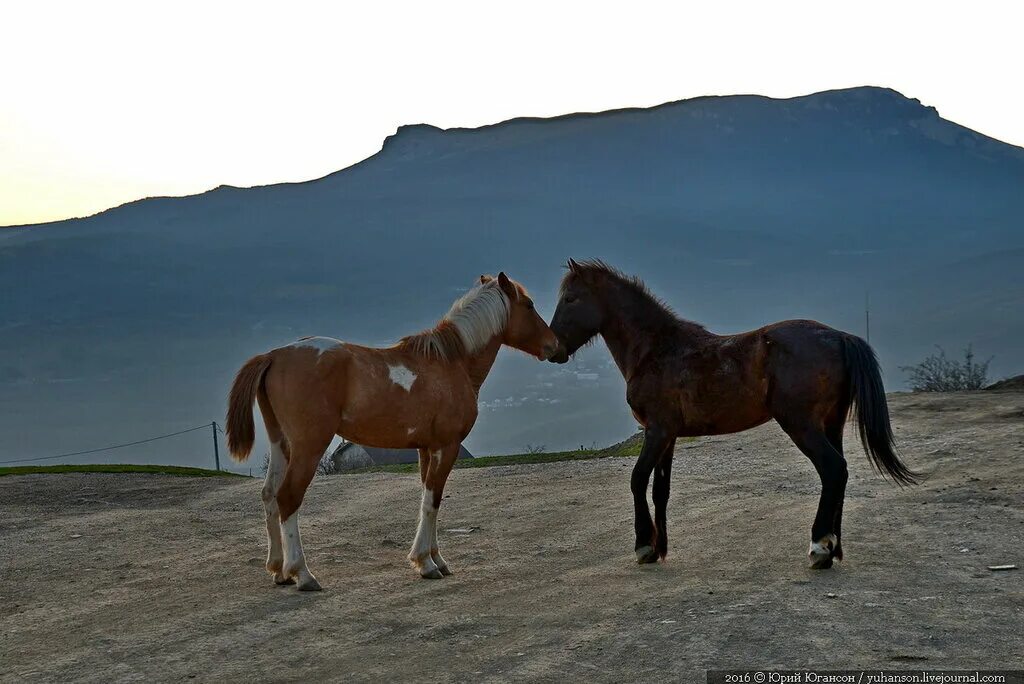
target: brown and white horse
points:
(420, 393)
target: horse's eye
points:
(569, 299)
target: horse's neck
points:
(631, 331)
(478, 365)
(627, 350)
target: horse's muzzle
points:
(560, 355)
(549, 350)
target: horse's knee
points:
(289, 499)
(638, 482)
(842, 472)
(268, 495)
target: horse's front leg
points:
(659, 492)
(434, 469)
(656, 442)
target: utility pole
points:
(867, 317)
(216, 450)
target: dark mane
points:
(650, 307)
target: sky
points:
(106, 102)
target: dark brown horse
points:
(682, 380)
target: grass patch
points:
(180, 471)
(630, 448)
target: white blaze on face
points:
(402, 376)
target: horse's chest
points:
(450, 408)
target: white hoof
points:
(431, 574)
(441, 563)
(307, 582)
(428, 569)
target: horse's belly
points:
(724, 417)
(720, 426)
(397, 406)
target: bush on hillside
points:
(937, 373)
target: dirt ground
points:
(145, 577)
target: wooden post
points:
(216, 450)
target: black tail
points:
(867, 393)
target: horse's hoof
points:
(821, 563)
(280, 580)
(646, 554)
(433, 573)
(445, 570)
(309, 583)
(822, 552)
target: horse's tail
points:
(866, 391)
(241, 431)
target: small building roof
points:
(382, 456)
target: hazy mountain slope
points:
(738, 210)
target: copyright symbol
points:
(759, 676)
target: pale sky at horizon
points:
(105, 102)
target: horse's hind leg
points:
(303, 459)
(831, 467)
(276, 466)
(834, 432)
(275, 474)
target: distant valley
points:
(736, 210)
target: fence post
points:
(216, 450)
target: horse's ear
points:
(484, 279)
(573, 266)
(506, 284)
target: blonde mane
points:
(474, 319)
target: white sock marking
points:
(820, 547)
(292, 543)
(428, 517)
(275, 473)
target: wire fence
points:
(205, 426)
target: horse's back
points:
(728, 383)
(388, 397)
(805, 366)
(802, 344)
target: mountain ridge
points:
(738, 211)
(424, 131)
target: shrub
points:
(937, 373)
